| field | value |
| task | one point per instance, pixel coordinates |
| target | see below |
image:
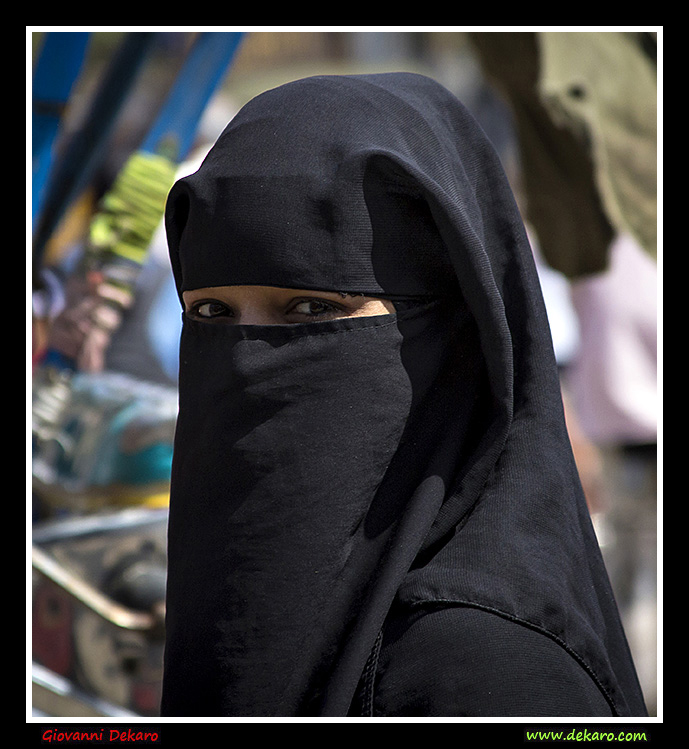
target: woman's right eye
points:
(211, 309)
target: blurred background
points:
(117, 116)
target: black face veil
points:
(327, 471)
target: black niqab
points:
(327, 473)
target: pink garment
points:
(613, 379)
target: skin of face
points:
(270, 305)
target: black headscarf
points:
(325, 472)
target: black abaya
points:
(376, 515)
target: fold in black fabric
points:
(333, 481)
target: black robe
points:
(376, 515)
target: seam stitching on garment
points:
(369, 677)
(530, 625)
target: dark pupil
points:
(215, 308)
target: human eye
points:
(211, 309)
(315, 308)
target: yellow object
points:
(131, 211)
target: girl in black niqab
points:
(374, 514)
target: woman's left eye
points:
(314, 308)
